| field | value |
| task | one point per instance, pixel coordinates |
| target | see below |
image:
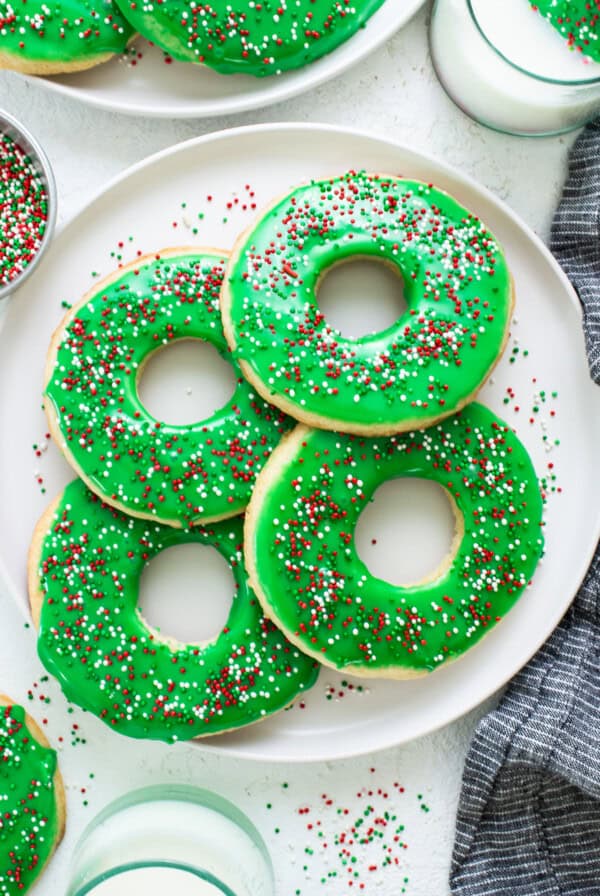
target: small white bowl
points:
(22, 137)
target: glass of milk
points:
(507, 67)
(176, 840)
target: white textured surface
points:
(395, 94)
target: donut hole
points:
(361, 296)
(185, 382)
(186, 593)
(407, 531)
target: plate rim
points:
(394, 739)
(247, 103)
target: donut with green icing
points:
(424, 367)
(304, 566)
(32, 800)
(179, 475)
(45, 37)
(85, 566)
(245, 37)
(577, 20)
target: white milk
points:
(155, 882)
(475, 71)
(528, 40)
(187, 829)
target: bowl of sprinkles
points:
(27, 204)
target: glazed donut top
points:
(61, 30)
(457, 287)
(248, 37)
(29, 823)
(108, 660)
(180, 475)
(304, 565)
(577, 20)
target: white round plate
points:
(143, 210)
(151, 87)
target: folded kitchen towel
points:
(528, 819)
(575, 239)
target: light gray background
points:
(393, 93)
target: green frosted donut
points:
(180, 475)
(86, 563)
(32, 802)
(247, 37)
(60, 35)
(304, 566)
(577, 20)
(428, 364)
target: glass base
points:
(493, 91)
(501, 128)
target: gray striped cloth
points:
(529, 814)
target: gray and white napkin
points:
(529, 814)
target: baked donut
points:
(241, 36)
(428, 364)
(304, 566)
(86, 560)
(179, 475)
(32, 800)
(578, 21)
(47, 37)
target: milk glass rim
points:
(25, 139)
(157, 793)
(176, 792)
(205, 876)
(579, 82)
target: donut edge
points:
(60, 800)
(317, 421)
(51, 357)
(34, 586)
(25, 65)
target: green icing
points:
(300, 543)
(248, 37)
(577, 20)
(179, 474)
(457, 288)
(29, 823)
(61, 30)
(94, 641)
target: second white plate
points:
(141, 83)
(202, 192)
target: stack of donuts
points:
(47, 37)
(276, 480)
